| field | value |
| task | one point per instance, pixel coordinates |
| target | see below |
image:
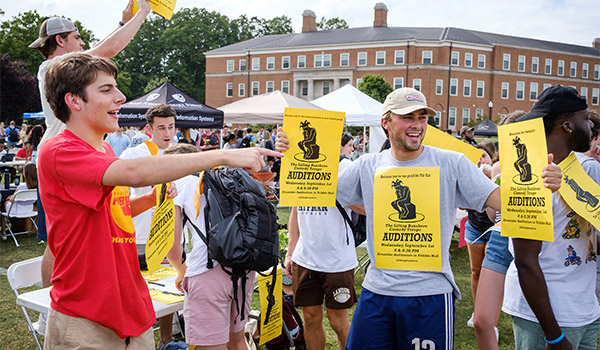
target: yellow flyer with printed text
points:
(162, 229)
(406, 221)
(274, 325)
(309, 169)
(580, 191)
(437, 138)
(526, 203)
(162, 7)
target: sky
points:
(567, 21)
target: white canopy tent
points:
(263, 109)
(360, 109)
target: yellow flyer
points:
(580, 192)
(406, 224)
(437, 138)
(526, 203)
(273, 327)
(162, 7)
(309, 169)
(162, 229)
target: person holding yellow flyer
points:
(549, 289)
(321, 258)
(407, 300)
(99, 299)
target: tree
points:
(17, 33)
(18, 92)
(331, 24)
(375, 86)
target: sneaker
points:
(470, 322)
(42, 323)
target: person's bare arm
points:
(117, 40)
(293, 235)
(174, 255)
(535, 290)
(146, 201)
(149, 171)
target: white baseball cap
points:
(404, 101)
(52, 26)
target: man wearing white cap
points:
(407, 309)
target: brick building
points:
(471, 72)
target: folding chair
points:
(21, 206)
(25, 274)
(363, 261)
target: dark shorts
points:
(309, 288)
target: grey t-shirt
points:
(461, 185)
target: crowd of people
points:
(96, 201)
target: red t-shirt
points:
(21, 153)
(96, 273)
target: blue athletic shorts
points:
(402, 323)
(497, 257)
(471, 234)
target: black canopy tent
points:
(486, 128)
(190, 113)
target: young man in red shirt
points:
(98, 289)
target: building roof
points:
(386, 34)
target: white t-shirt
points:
(322, 244)
(143, 220)
(54, 126)
(197, 258)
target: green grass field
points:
(14, 333)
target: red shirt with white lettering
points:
(96, 273)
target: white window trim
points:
(478, 60)
(517, 91)
(289, 60)
(256, 59)
(504, 59)
(482, 89)
(585, 68)
(420, 84)
(457, 58)
(440, 83)
(519, 69)
(243, 87)
(507, 90)
(533, 59)
(595, 93)
(267, 85)
(347, 61)
(401, 81)
(537, 92)
(470, 84)
(558, 67)
(450, 114)
(230, 66)
(573, 70)
(227, 85)
(467, 54)
(377, 58)
(397, 54)
(451, 85)
(272, 59)
(423, 56)
(257, 83)
(358, 58)
(548, 60)
(288, 86)
(299, 60)
(327, 55)
(240, 65)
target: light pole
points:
(490, 104)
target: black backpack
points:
(358, 224)
(13, 135)
(242, 227)
(245, 142)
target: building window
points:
(452, 116)
(455, 57)
(535, 64)
(546, 86)
(242, 65)
(467, 88)
(270, 63)
(595, 93)
(285, 62)
(520, 90)
(548, 69)
(285, 86)
(584, 92)
(439, 86)
(480, 61)
(533, 91)
(305, 88)
(468, 59)
(438, 118)
(325, 88)
(597, 71)
(561, 68)
(380, 58)
(270, 86)
(506, 61)
(301, 61)
(417, 84)
(453, 87)
(504, 92)
(344, 59)
(478, 113)
(255, 88)
(229, 89)
(318, 61)
(358, 81)
(241, 90)
(584, 70)
(427, 57)
(255, 63)
(480, 88)
(399, 57)
(362, 58)
(398, 83)
(466, 115)
(521, 65)
(327, 60)
(573, 69)
(230, 65)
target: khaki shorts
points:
(309, 288)
(67, 332)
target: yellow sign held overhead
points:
(273, 327)
(437, 138)
(309, 170)
(162, 7)
(526, 203)
(406, 224)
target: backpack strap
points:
(186, 219)
(348, 221)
